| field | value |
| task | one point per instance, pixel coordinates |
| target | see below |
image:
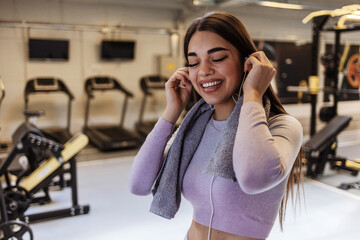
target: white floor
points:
(327, 213)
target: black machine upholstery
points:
(321, 148)
(323, 138)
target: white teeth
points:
(210, 84)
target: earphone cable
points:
(212, 207)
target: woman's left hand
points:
(261, 72)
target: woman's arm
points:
(264, 153)
(148, 161)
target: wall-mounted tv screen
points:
(48, 49)
(121, 50)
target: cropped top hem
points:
(251, 229)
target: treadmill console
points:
(46, 84)
(102, 83)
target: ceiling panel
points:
(186, 4)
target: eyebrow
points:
(217, 49)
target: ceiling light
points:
(105, 30)
(281, 5)
(204, 2)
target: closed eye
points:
(220, 59)
(192, 65)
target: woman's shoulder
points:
(287, 127)
(285, 120)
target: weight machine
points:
(46, 159)
(321, 148)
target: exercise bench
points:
(321, 148)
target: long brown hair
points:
(232, 30)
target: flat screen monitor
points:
(121, 50)
(48, 49)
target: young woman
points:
(236, 153)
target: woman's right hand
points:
(178, 91)
(261, 72)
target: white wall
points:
(84, 60)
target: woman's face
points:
(214, 67)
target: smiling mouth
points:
(211, 84)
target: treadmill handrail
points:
(89, 89)
(30, 88)
(114, 85)
(147, 82)
(2, 90)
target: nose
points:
(205, 69)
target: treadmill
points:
(148, 84)
(51, 85)
(108, 137)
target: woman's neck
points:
(223, 111)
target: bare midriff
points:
(198, 231)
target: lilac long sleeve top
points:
(264, 153)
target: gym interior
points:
(82, 83)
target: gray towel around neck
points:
(168, 185)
